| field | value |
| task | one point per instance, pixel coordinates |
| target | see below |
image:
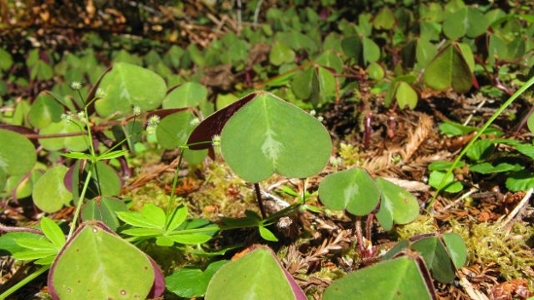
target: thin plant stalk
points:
(80, 201)
(497, 113)
(260, 202)
(173, 189)
(24, 281)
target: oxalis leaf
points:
(397, 205)
(17, 154)
(97, 264)
(400, 278)
(269, 135)
(262, 134)
(50, 193)
(127, 85)
(353, 190)
(449, 69)
(256, 275)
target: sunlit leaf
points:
(384, 280)
(17, 153)
(397, 205)
(256, 275)
(127, 85)
(73, 139)
(268, 135)
(50, 193)
(186, 95)
(353, 190)
(106, 267)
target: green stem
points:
(24, 281)
(80, 201)
(499, 111)
(173, 189)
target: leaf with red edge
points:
(97, 264)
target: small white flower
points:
(153, 121)
(75, 85)
(136, 110)
(81, 116)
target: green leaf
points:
(397, 205)
(331, 60)
(449, 69)
(385, 19)
(178, 217)
(38, 245)
(144, 232)
(385, 280)
(8, 244)
(353, 47)
(135, 219)
(481, 150)
(487, 168)
(106, 179)
(112, 154)
(456, 247)
(466, 21)
(52, 231)
(50, 193)
(190, 238)
(256, 275)
(41, 71)
(424, 53)
(268, 135)
(17, 154)
(267, 235)
(45, 110)
(105, 210)
(280, 54)
(305, 83)
(106, 267)
(189, 283)
(436, 258)
(174, 130)
(450, 185)
(189, 94)
(147, 218)
(154, 214)
(526, 149)
(520, 181)
(78, 155)
(6, 60)
(353, 190)
(375, 71)
(406, 96)
(128, 85)
(65, 127)
(371, 51)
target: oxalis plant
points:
(258, 135)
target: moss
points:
(148, 193)
(490, 243)
(349, 154)
(222, 193)
(423, 224)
